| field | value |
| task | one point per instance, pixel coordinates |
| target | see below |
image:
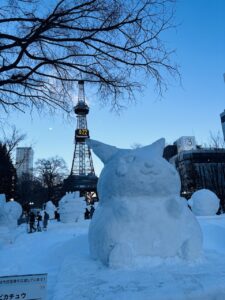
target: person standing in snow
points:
(45, 220)
(86, 214)
(39, 221)
(92, 209)
(31, 221)
(57, 215)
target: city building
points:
(222, 118)
(199, 168)
(24, 161)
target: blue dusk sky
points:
(190, 109)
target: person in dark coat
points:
(39, 221)
(86, 214)
(31, 221)
(92, 210)
(45, 220)
(57, 215)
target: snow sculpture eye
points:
(148, 168)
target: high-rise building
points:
(24, 161)
(222, 118)
(199, 168)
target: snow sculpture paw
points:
(140, 212)
(121, 255)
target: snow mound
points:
(71, 207)
(140, 212)
(204, 203)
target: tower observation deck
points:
(82, 176)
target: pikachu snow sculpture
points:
(140, 212)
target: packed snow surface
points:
(71, 207)
(204, 203)
(140, 213)
(62, 252)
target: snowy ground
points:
(62, 252)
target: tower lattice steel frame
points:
(82, 176)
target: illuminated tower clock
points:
(82, 176)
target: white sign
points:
(23, 287)
(186, 143)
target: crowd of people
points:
(38, 222)
(89, 213)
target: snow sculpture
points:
(204, 203)
(7, 236)
(50, 209)
(13, 210)
(140, 212)
(3, 217)
(2, 198)
(9, 212)
(9, 215)
(71, 207)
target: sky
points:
(188, 109)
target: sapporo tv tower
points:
(82, 176)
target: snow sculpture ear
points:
(155, 148)
(103, 151)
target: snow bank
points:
(140, 213)
(204, 203)
(71, 207)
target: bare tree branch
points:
(12, 138)
(106, 42)
(216, 140)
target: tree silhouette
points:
(44, 50)
(51, 173)
(7, 173)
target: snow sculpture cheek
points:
(140, 212)
(121, 169)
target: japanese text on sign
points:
(25, 287)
